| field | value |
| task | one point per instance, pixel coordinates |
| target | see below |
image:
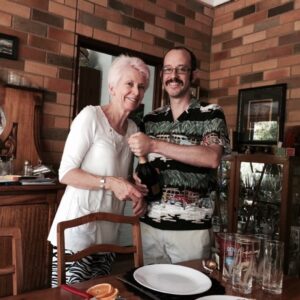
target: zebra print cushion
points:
(88, 267)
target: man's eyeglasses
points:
(178, 70)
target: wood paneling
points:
(31, 208)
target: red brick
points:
(108, 14)
(86, 6)
(239, 51)
(230, 81)
(130, 44)
(152, 50)
(254, 18)
(155, 30)
(56, 109)
(243, 31)
(254, 37)
(289, 16)
(61, 35)
(12, 64)
(168, 4)
(149, 6)
(69, 25)
(222, 19)
(59, 85)
(66, 49)
(280, 30)
(265, 5)
(267, 54)
(233, 6)
(62, 98)
(265, 65)
(40, 69)
(238, 23)
(142, 36)
(295, 70)
(62, 10)
(15, 9)
(239, 70)
(164, 23)
(32, 54)
(34, 3)
(5, 19)
(219, 74)
(290, 60)
(265, 44)
(227, 63)
(118, 29)
(84, 30)
(278, 74)
(295, 93)
(43, 43)
(106, 36)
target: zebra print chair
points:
(135, 249)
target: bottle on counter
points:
(150, 177)
(27, 169)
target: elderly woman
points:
(95, 166)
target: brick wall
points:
(256, 43)
(46, 29)
(244, 43)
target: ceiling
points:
(214, 2)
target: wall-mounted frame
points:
(261, 112)
(195, 91)
(9, 46)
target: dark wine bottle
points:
(150, 177)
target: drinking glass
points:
(243, 264)
(259, 256)
(227, 252)
(273, 267)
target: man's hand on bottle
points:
(140, 144)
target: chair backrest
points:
(135, 249)
(16, 268)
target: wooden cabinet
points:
(260, 193)
(20, 138)
(31, 208)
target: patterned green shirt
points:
(185, 203)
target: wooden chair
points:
(135, 249)
(16, 268)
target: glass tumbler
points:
(273, 267)
(243, 264)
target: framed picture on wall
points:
(261, 112)
(8, 46)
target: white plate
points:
(172, 279)
(221, 297)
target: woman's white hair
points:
(121, 64)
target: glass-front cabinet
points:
(260, 193)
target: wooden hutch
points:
(29, 207)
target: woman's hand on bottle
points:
(124, 190)
(139, 208)
(141, 187)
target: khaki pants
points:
(171, 246)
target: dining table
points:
(291, 288)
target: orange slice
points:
(100, 290)
(110, 296)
